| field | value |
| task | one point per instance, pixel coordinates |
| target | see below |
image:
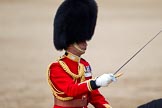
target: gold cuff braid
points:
(107, 106)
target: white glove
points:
(105, 80)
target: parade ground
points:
(123, 27)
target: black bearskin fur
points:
(75, 21)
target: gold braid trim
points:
(56, 91)
(107, 106)
(74, 76)
(67, 70)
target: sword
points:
(119, 74)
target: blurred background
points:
(123, 27)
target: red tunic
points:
(62, 81)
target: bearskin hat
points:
(75, 21)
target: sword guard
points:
(118, 74)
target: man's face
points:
(78, 48)
(82, 45)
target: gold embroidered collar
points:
(72, 57)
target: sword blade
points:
(137, 53)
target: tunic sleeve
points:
(97, 100)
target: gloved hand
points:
(105, 80)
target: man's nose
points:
(85, 43)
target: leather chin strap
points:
(78, 48)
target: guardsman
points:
(70, 77)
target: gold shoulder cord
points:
(55, 91)
(74, 76)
